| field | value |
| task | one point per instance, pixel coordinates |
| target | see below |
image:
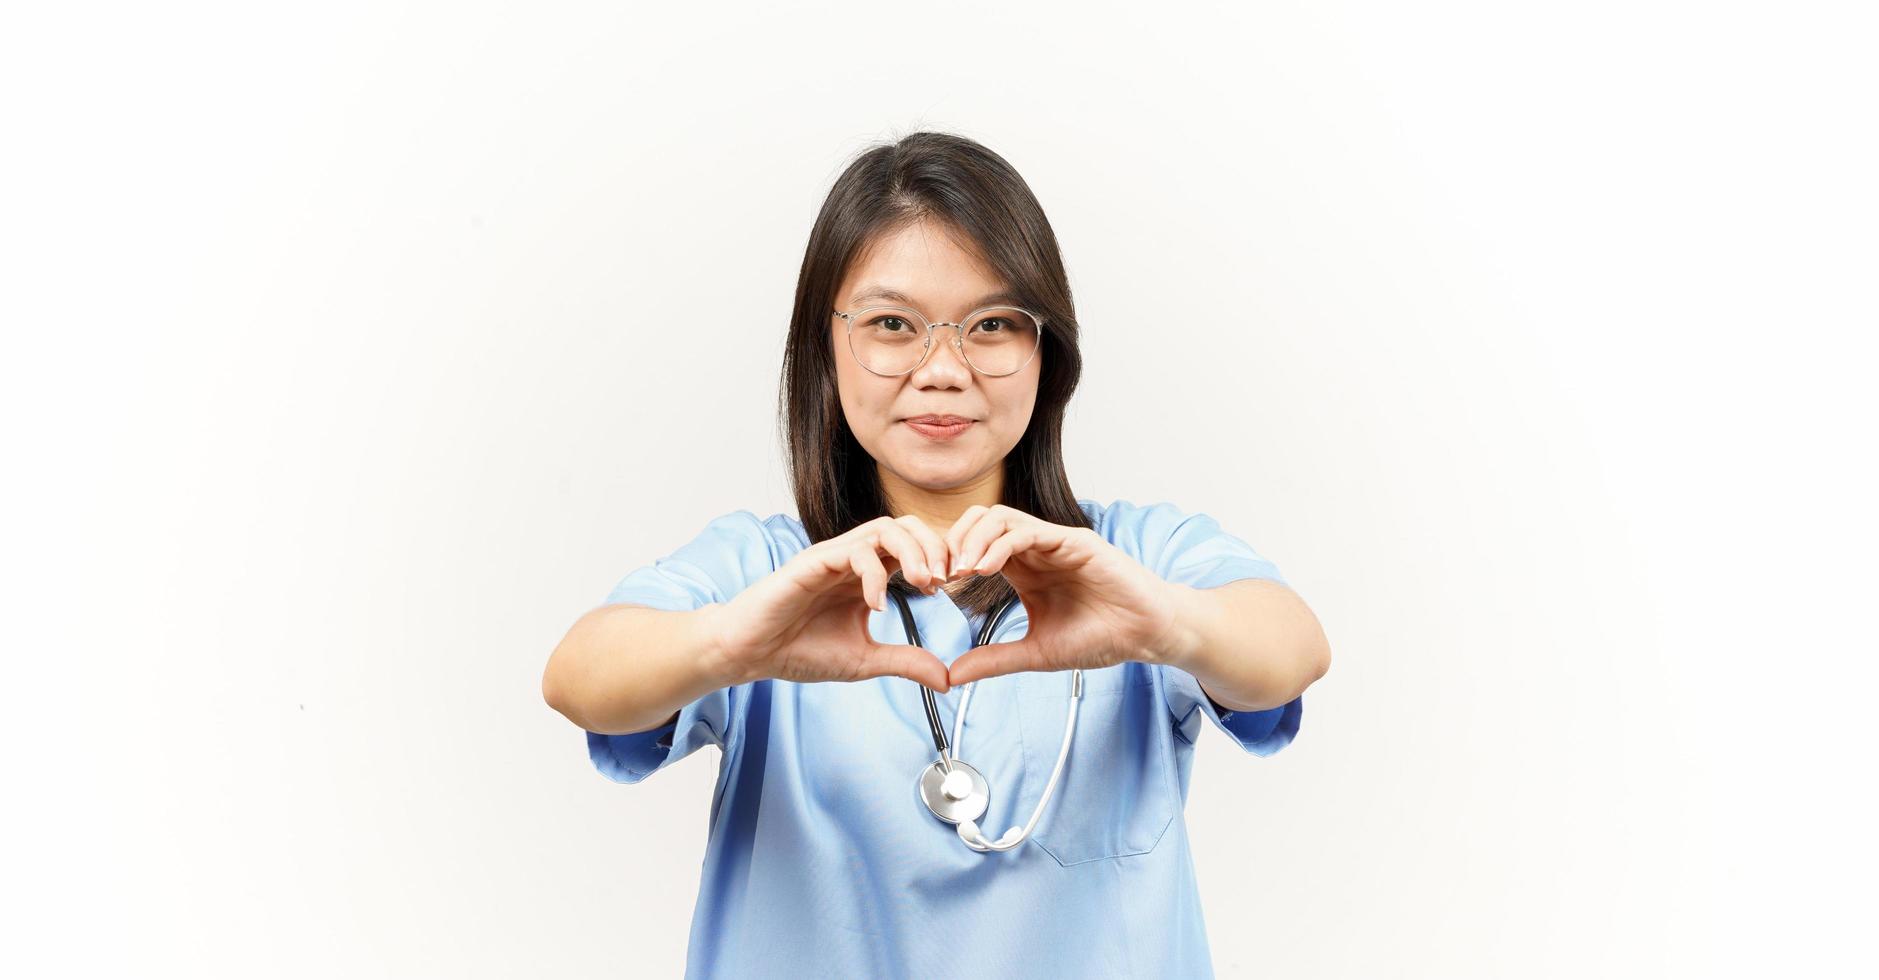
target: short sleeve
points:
(1193, 550)
(729, 554)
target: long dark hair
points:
(890, 185)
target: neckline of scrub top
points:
(945, 629)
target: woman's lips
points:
(939, 433)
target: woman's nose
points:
(946, 357)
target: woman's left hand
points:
(1090, 604)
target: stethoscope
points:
(956, 792)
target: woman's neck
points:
(940, 509)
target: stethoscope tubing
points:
(937, 727)
(968, 828)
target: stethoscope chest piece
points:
(962, 796)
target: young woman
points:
(854, 831)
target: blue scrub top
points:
(822, 861)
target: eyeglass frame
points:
(959, 335)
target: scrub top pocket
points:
(1117, 794)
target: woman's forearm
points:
(624, 668)
(1252, 644)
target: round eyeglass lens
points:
(891, 341)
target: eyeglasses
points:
(894, 340)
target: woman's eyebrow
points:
(895, 296)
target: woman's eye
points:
(991, 321)
(891, 322)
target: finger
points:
(1001, 550)
(993, 660)
(911, 662)
(873, 575)
(894, 538)
(826, 564)
(956, 537)
(983, 533)
(932, 545)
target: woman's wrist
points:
(719, 660)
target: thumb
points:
(992, 660)
(917, 664)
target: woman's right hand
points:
(808, 620)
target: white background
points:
(353, 351)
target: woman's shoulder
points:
(754, 521)
(781, 533)
(1121, 515)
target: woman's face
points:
(942, 281)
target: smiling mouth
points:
(939, 431)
